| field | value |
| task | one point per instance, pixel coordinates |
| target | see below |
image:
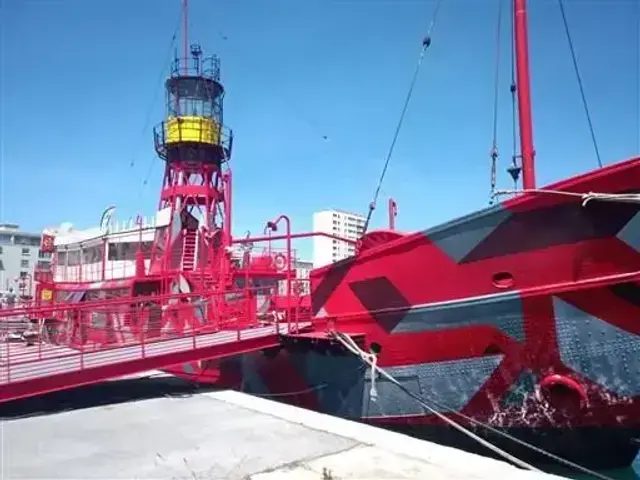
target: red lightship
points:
(521, 317)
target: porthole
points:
(502, 280)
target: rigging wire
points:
(494, 148)
(159, 82)
(579, 78)
(277, 92)
(429, 403)
(145, 179)
(426, 42)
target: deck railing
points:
(37, 341)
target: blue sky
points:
(80, 78)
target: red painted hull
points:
(482, 316)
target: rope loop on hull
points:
(370, 359)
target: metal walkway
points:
(41, 368)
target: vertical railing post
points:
(141, 329)
(248, 301)
(289, 266)
(80, 262)
(103, 262)
(289, 263)
(82, 342)
(8, 360)
(298, 290)
(252, 307)
(39, 332)
(193, 335)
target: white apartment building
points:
(335, 222)
(19, 256)
(302, 269)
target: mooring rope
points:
(352, 347)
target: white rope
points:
(353, 347)
(586, 197)
(371, 360)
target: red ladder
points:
(189, 248)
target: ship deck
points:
(184, 433)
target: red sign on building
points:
(46, 243)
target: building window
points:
(0, 249)
(26, 252)
(126, 251)
(24, 263)
(1, 266)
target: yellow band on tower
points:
(192, 129)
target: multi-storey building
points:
(19, 256)
(335, 222)
(302, 269)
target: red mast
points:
(524, 94)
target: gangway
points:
(66, 347)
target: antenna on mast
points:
(185, 32)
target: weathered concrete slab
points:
(159, 438)
(364, 462)
(222, 435)
(379, 454)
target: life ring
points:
(563, 393)
(280, 261)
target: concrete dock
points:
(220, 435)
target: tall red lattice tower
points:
(194, 220)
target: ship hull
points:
(601, 435)
(522, 317)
